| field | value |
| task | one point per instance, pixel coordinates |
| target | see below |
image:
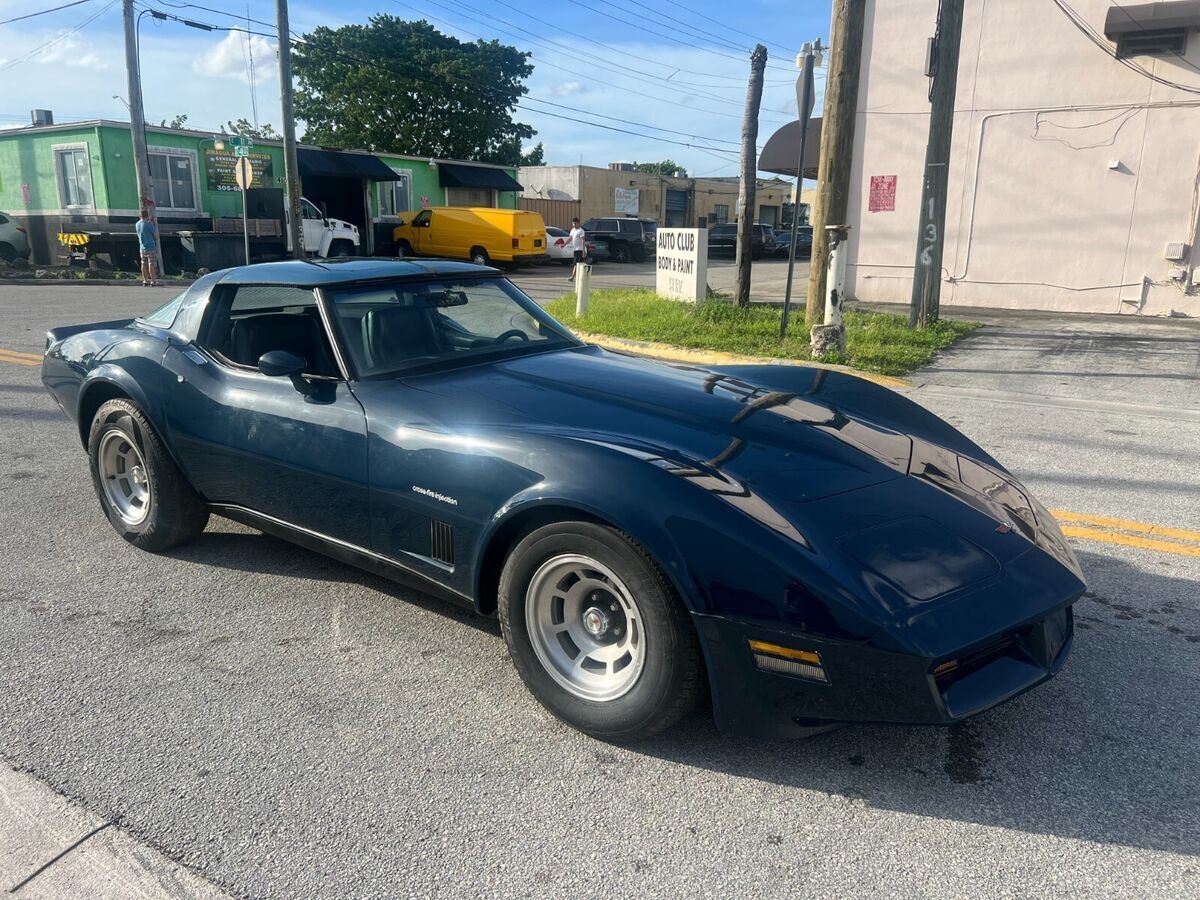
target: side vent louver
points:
(441, 541)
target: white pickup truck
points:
(325, 237)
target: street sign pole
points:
(804, 108)
(244, 171)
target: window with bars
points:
(461, 196)
(74, 177)
(171, 180)
(395, 197)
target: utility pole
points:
(942, 67)
(137, 122)
(837, 142)
(804, 106)
(291, 164)
(746, 190)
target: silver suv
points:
(14, 242)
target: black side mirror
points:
(283, 363)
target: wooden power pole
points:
(837, 142)
(291, 163)
(931, 232)
(137, 121)
(746, 190)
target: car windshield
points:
(404, 327)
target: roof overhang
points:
(466, 176)
(1122, 20)
(341, 164)
(781, 154)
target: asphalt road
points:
(287, 726)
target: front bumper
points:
(866, 684)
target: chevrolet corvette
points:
(799, 547)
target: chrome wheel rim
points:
(124, 478)
(585, 627)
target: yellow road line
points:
(1126, 525)
(20, 358)
(1130, 540)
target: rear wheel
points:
(597, 633)
(7, 252)
(145, 496)
(480, 257)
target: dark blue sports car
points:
(805, 546)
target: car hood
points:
(788, 445)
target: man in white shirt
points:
(578, 245)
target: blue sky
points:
(659, 64)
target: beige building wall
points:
(595, 189)
(1069, 171)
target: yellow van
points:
(480, 234)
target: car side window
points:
(592, 225)
(247, 321)
(630, 226)
(423, 218)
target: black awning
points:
(340, 164)
(1151, 17)
(782, 151)
(460, 175)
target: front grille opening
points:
(975, 661)
(441, 541)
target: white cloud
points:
(63, 49)
(230, 58)
(567, 88)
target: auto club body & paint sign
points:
(682, 263)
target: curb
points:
(673, 353)
(84, 282)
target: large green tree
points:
(404, 87)
(666, 167)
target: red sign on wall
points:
(883, 194)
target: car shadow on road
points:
(266, 555)
(1106, 752)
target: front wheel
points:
(146, 498)
(597, 633)
(480, 257)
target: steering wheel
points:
(511, 333)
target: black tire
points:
(341, 249)
(620, 253)
(7, 252)
(174, 512)
(671, 679)
(480, 257)
(403, 249)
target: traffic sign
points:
(244, 173)
(241, 144)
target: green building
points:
(79, 177)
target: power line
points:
(641, 9)
(44, 11)
(609, 13)
(699, 15)
(60, 37)
(570, 71)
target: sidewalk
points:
(51, 848)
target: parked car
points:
(14, 240)
(804, 236)
(846, 557)
(558, 246)
(480, 234)
(722, 240)
(627, 238)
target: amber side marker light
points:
(776, 658)
(943, 668)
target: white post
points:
(835, 283)
(583, 287)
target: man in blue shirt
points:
(147, 234)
